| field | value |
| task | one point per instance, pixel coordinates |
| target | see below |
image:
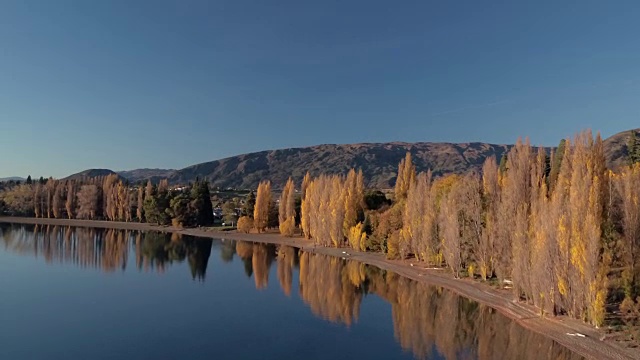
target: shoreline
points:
(557, 329)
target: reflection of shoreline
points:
(590, 346)
(107, 249)
(426, 319)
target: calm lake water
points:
(77, 293)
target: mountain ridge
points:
(12, 178)
(378, 161)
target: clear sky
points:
(125, 84)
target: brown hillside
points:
(378, 161)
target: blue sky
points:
(129, 84)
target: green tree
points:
(29, 181)
(181, 211)
(503, 163)
(249, 205)
(155, 208)
(375, 199)
(201, 202)
(406, 175)
(556, 164)
(229, 212)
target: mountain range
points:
(378, 161)
(12, 178)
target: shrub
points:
(393, 245)
(245, 224)
(357, 237)
(288, 227)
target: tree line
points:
(558, 227)
(425, 319)
(108, 250)
(110, 198)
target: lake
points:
(81, 293)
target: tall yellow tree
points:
(336, 210)
(414, 234)
(628, 189)
(261, 210)
(450, 230)
(70, 203)
(353, 193)
(491, 195)
(406, 175)
(305, 206)
(286, 210)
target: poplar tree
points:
(517, 194)
(543, 290)
(110, 197)
(70, 203)
(140, 205)
(490, 191)
(149, 190)
(414, 234)
(450, 231)
(562, 231)
(406, 175)
(336, 210)
(88, 202)
(556, 163)
(37, 200)
(598, 260)
(511, 243)
(471, 215)
(304, 206)
(49, 190)
(261, 211)
(305, 184)
(353, 194)
(286, 211)
(628, 190)
(57, 202)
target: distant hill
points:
(615, 148)
(378, 161)
(12, 178)
(89, 174)
(155, 175)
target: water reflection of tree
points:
(198, 253)
(108, 249)
(227, 250)
(328, 288)
(287, 260)
(425, 319)
(159, 250)
(257, 259)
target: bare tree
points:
(88, 202)
(450, 231)
(57, 202)
(70, 203)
